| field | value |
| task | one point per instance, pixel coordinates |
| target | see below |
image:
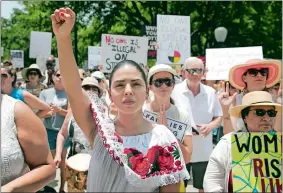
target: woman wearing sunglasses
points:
(258, 112)
(79, 142)
(129, 154)
(33, 77)
(161, 80)
(8, 82)
(254, 75)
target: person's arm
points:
(187, 148)
(35, 103)
(79, 100)
(33, 140)
(61, 138)
(170, 188)
(214, 178)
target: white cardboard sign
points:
(40, 44)
(94, 56)
(17, 57)
(176, 127)
(220, 61)
(173, 38)
(116, 48)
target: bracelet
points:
(60, 110)
(228, 117)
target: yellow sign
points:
(257, 162)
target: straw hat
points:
(255, 98)
(274, 72)
(32, 67)
(160, 68)
(79, 162)
(92, 81)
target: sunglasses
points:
(262, 112)
(91, 88)
(167, 81)
(98, 80)
(32, 73)
(4, 75)
(58, 75)
(254, 72)
(194, 70)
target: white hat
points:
(99, 75)
(92, 81)
(160, 68)
(255, 98)
(32, 67)
(79, 162)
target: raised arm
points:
(63, 21)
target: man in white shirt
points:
(203, 103)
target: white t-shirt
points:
(176, 114)
(204, 107)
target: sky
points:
(7, 7)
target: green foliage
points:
(249, 23)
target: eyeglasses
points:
(32, 73)
(194, 70)
(4, 75)
(91, 88)
(262, 112)
(168, 82)
(253, 72)
(58, 75)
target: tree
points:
(249, 23)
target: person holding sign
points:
(161, 82)
(201, 101)
(129, 154)
(259, 113)
(254, 75)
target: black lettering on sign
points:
(120, 57)
(108, 65)
(243, 146)
(175, 133)
(256, 145)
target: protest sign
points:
(220, 61)
(40, 44)
(17, 57)
(151, 33)
(116, 48)
(173, 38)
(257, 162)
(176, 127)
(41, 62)
(94, 57)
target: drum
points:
(76, 172)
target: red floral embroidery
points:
(158, 161)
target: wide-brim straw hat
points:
(92, 81)
(32, 67)
(255, 98)
(274, 72)
(79, 162)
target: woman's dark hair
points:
(245, 112)
(13, 72)
(127, 63)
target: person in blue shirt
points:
(8, 82)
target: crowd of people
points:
(45, 114)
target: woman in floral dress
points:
(129, 153)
